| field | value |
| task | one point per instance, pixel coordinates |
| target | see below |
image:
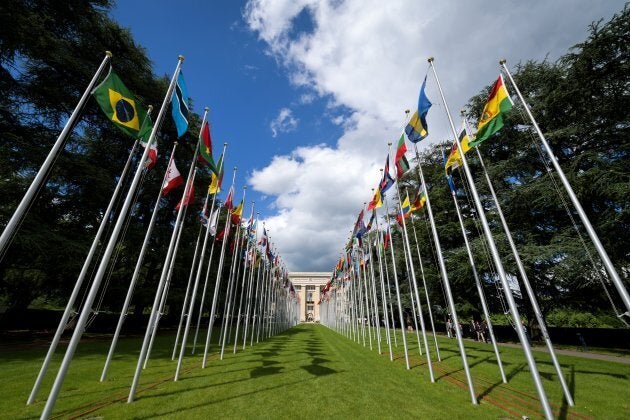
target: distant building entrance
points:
(308, 286)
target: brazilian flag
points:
(120, 106)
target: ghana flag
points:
(119, 104)
(491, 119)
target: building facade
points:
(308, 286)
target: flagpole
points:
(400, 311)
(497, 260)
(191, 306)
(231, 281)
(136, 273)
(210, 222)
(412, 279)
(384, 296)
(86, 264)
(426, 293)
(528, 287)
(217, 283)
(374, 297)
(205, 284)
(247, 272)
(40, 179)
(482, 296)
(169, 264)
(621, 289)
(251, 293)
(79, 329)
(161, 284)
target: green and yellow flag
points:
(120, 106)
(491, 119)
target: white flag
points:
(173, 178)
(214, 221)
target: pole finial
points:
(462, 112)
(225, 143)
(150, 108)
(502, 61)
(235, 168)
(244, 187)
(407, 111)
(180, 57)
(206, 109)
(389, 143)
(430, 59)
(109, 53)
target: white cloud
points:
(285, 122)
(369, 57)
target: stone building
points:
(308, 286)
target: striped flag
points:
(179, 106)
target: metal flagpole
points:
(528, 287)
(400, 311)
(191, 306)
(186, 294)
(383, 295)
(426, 293)
(169, 264)
(136, 273)
(623, 292)
(231, 281)
(194, 261)
(251, 292)
(247, 270)
(251, 254)
(497, 260)
(42, 173)
(205, 285)
(389, 293)
(161, 284)
(482, 296)
(374, 299)
(78, 332)
(217, 282)
(86, 264)
(412, 279)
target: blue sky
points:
(308, 93)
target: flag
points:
(359, 226)
(402, 164)
(179, 105)
(216, 178)
(151, 156)
(386, 239)
(263, 239)
(203, 215)
(420, 199)
(454, 158)
(376, 201)
(228, 200)
(491, 119)
(371, 222)
(188, 199)
(214, 221)
(205, 146)
(237, 213)
(405, 211)
(173, 178)
(119, 104)
(387, 180)
(416, 129)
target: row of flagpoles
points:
(351, 300)
(259, 295)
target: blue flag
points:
(179, 105)
(417, 129)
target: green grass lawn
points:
(308, 371)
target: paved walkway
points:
(575, 353)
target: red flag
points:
(386, 240)
(229, 198)
(151, 156)
(173, 178)
(205, 145)
(190, 197)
